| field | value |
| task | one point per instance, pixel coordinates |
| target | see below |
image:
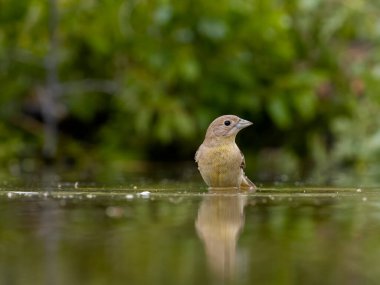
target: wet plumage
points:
(220, 161)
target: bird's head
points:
(226, 126)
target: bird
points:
(220, 161)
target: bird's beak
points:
(243, 124)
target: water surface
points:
(183, 234)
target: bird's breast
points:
(220, 165)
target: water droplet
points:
(129, 196)
(144, 194)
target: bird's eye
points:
(227, 123)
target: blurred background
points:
(111, 87)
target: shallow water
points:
(182, 234)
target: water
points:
(182, 234)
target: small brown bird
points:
(220, 161)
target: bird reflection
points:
(219, 222)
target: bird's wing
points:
(242, 165)
(245, 182)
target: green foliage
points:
(151, 75)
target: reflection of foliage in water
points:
(312, 238)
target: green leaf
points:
(279, 112)
(305, 103)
